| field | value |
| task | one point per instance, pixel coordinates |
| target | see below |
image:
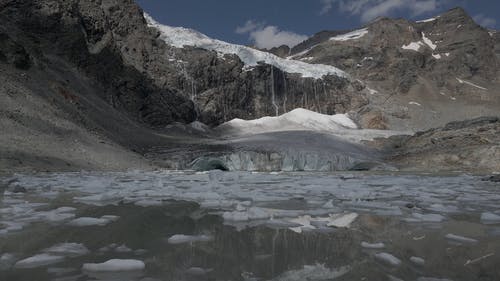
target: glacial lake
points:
(183, 225)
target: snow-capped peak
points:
(180, 37)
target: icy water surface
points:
(249, 226)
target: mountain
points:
(101, 85)
(420, 74)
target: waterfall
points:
(273, 93)
(285, 93)
(188, 83)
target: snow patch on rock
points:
(353, 35)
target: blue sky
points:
(266, 23)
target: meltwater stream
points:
(248, 226)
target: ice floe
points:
(68, 249)
(88, 221)
(388, 259)
(417, 217)
(490, 218)
(115, 265)
(39, 260)
(417, 260)
(181, 238)
(367, 245)
(458, 238)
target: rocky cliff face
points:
(471, 145)
(92, 36)
(111, 43)
(418, 71)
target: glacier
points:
(180, 37)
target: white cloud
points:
(370, 9)
(485, 21)
(249, 26)
(267, 37)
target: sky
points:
(271, 23)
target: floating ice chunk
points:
(416, 217)
(140, 252)
(181, 238)
(115, 265)
(459, 238)
(123, 249)
(342, 220)
(111, 218)
(417, 260)
(68, 249)
(255, 213)
(442, 208)
(312, 272)
(388, 258)
(198, 271)
(38, 260)
(148, 203)
(372, 245)
(235, 216)
(351, 35)
(490, 218)
(303, 221)
(65, 209)
(87, 221)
